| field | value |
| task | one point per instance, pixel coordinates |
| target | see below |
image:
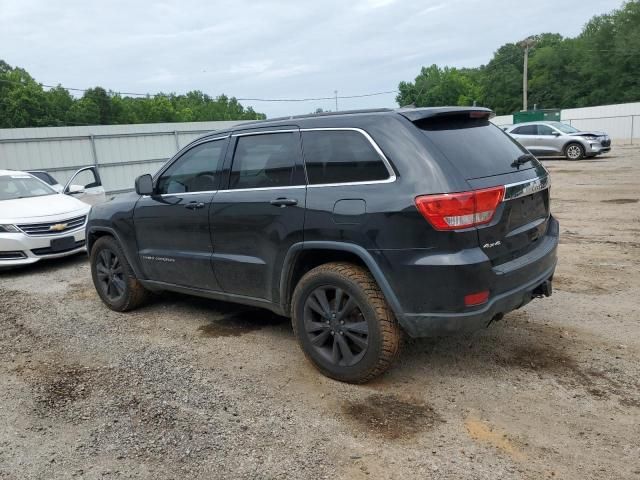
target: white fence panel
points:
(122, 152)
(620, 121)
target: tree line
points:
(25, 103)
(600, 66)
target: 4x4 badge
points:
(491, 245)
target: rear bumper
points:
(428, 288)
(439, 324)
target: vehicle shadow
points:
(225, 319)
(43, 266)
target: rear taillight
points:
(453, 211)
(477, 298)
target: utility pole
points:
(336, 94)
(527, 43)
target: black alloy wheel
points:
(110, 275)
(335, 326)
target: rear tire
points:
(343, 323)
(113, 277)
(574, 151)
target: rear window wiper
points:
(522, 159)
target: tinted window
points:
(341, 157)
(262, 161)
(196, 170)
(475, 146)
(45, 177)
(545, 130)
(526, 130)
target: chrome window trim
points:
(526, 187)
(257, 189)
(265, 132)
(392, 175)
(163, 195)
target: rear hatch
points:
(486, 157)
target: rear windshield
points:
(475, 146)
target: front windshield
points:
(564, 128)
(22, 186)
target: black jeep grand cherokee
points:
(358, 225)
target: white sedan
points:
(36, 222)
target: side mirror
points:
(144, 184)
(75, 190)
(556, 134)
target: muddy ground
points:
(189, 388)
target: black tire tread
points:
(391, 332)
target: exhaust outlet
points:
(543, 290)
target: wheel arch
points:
(304, 256)
(94, 233)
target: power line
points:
(244, 99)
(316, 98)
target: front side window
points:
(341, 156)
(565, 128)
(22, 186)
(545, 130)
(196, 170)
(265, 160)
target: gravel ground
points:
(190, 388)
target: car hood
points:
(45, 207)
(587, 132)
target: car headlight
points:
(9, 229)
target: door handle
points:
(284, 202)
(194, 205)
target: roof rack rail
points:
(322, 114)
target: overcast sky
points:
(269, 48)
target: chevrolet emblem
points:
(58, 227)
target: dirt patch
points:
(483, 432)
(566, 171)
(64, 386)
(391, 417)
(620, 201)
(240, 323)
(579, 285)
(566, 370)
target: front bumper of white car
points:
(37, 240)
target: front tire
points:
(113, 277)
(574, 151)
(343, 323)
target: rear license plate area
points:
(64, 243)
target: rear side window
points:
(45, 177)
(526, 130)
(475, 146)
(195, 171)
(341, 156)
(266, 160)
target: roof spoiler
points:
(417, 114)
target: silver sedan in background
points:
(559, 139)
